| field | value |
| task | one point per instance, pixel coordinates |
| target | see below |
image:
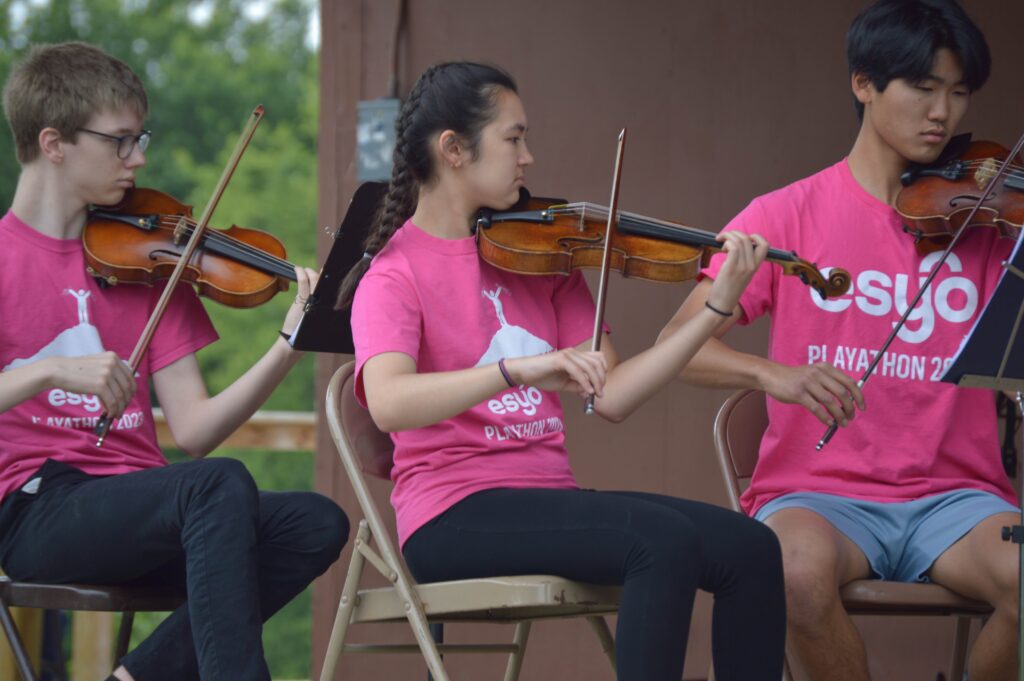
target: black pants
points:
(661, 549)
(241, 553)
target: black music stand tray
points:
(992, 356)
(322, 328)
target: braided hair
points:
(457, 96)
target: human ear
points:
(51, 144)
(451, 150)
(862, 87)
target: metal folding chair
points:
(519, 600)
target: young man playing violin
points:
(75, 512)
(913, 488)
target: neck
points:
(876, 166)
(43, 203)
(444, 212)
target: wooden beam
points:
(286, 431)
(92, 645)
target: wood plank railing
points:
(283, 431)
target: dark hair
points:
(457, 96)
(899, 38)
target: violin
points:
(936, 198)
(140, 241)
(548, 236)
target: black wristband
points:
(716, 310)
(284, 334)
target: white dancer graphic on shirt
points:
(76, 341)
(510, 341)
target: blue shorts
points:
(901, 540)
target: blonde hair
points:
(62, 86)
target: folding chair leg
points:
(436, 633)
(17, 647)
(963, 631)
(604, 635)
(345, 605)
(515, 660)
(124, 636)
(787, 672)
(418, 621)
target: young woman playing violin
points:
(75, 512)
(913, 488)
(463, 363)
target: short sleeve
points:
(185, 328)
(575, 309)
(759, 295)
(386, 317)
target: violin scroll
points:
(834, 284)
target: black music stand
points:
(992, 356)
(322, 328)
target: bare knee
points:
(812, 591)
(816, 561)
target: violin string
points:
(981, 162)
(239, 249)
(244, 252)
(703, 238)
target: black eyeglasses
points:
(125, 143)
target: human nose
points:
(939, 110)
(137, 157)
(525, 157)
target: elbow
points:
(193, 445)
(385, 419)
(613, 414)
(384, 425)
(194, 450)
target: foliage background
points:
(206, 64)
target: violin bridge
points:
(986, 171)
(179, 231)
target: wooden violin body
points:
(552, 237)
(140, 241)
(936, 199)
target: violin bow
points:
(927, 282)
(104, 423)
(613, 213)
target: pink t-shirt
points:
(436, 301)
(50, 306)
(918, 436)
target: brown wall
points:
(724, 101)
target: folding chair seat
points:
(520, 600)
(124, 599)
(739, 426)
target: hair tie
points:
(367, 255)
(716, 310)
